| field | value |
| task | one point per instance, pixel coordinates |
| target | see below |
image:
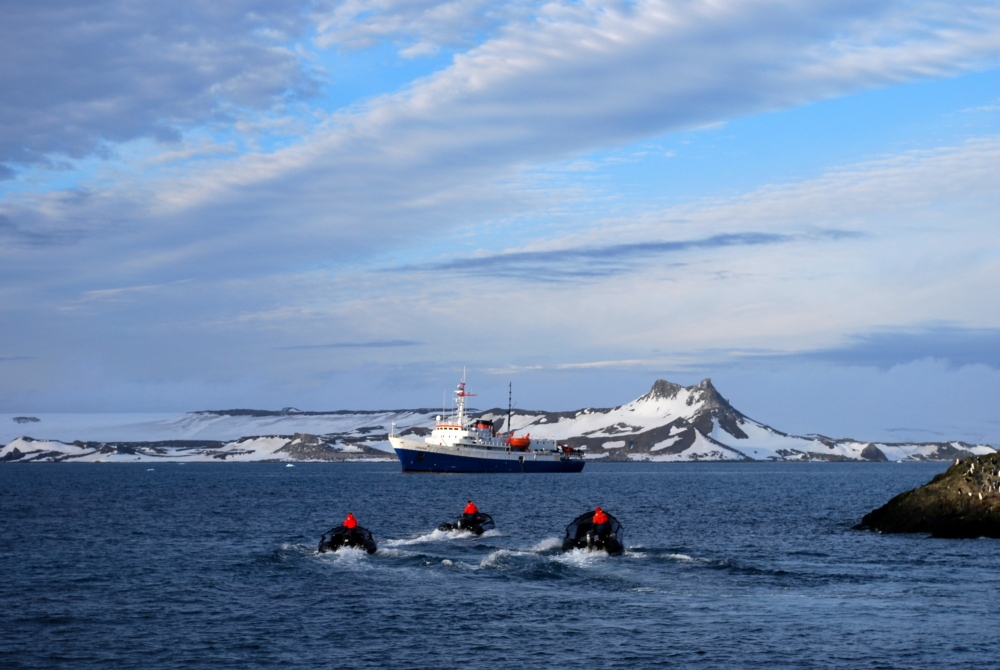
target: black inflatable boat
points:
(479, 524)
(342, 536)
(580, 535)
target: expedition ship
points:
(458, 444)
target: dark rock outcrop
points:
(305, 447)
(873, 453)
(12, 455)
(961, 502)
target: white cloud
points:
(259, 234)
(78, 78)
(579, 77)
(589, 76)
(421, 27)
(921, 249)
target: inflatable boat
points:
(479, 524)
(342, 536)
(580, 534)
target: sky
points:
(341, 205)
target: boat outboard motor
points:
(580, 535)
(342, 536)
(479, 524)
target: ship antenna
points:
(510, 398)
(460, 396)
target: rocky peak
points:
(663, 389)
(701, 393)
(707, 406)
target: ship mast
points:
(510, 400)
(462, 395)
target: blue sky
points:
(341, 204)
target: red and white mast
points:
(462, 395)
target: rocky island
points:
(961, 502)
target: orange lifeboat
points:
(519, 443)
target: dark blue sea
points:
(730, 565)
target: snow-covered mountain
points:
(670, 423)
(694, 423)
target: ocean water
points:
(742, 565)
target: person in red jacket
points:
(470, 513)
(350, 522)
(600, 522)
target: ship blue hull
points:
(429, 461)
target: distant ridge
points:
(668, 423)
(691, 423)
(291, 411)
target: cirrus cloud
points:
(77, 78)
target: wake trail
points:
(440, 536)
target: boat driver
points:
(471, 513)
(600, 521)
(350, 535)
(350, 523)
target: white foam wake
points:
(548, 544)
(433, 536)
(345, 557)
(440, 536)
(581, 558)
(496, 558)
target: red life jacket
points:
(350, 521)
(600, 517)
(471, 508)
